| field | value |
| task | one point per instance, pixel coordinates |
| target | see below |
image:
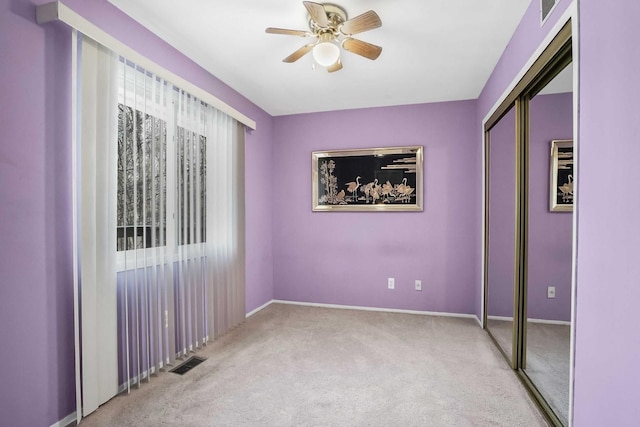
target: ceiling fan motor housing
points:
(336, 16)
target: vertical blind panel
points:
(191, 144)
(221, 225)
(97, 226)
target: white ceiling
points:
(433, 50)
(562, 83)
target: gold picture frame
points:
(562, 178)
(371, 179)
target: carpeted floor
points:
(548, 359)
(548, 364)
(307, 366)
(502, 331)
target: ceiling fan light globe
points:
(326, 53)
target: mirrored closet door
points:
(550, 177)
(501, 207)
(529, 191)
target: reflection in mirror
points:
(549, 250)
(501, 155)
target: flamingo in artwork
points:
(567, 189)
(400, 188)
(352, 187)
(368, 188)
(375, 193)
(387, 188)
(408, 190)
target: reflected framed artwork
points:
(372, 179)
(562, 178)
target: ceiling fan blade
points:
(365, 22)
(368, 50)
(317, 13)
(299, 53)
(286, 32)
(335, 67)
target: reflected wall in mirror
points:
(501, 156)
(549, 250)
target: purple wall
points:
(502, 212)
(607, 372)
(36, 291)
(258, 213)
(550, 233)
(346, 257)
(524, 42)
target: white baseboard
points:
(479, 321)
(71, 418)
(263, 306)
(504, 318)
(548, 322)
(384, 310)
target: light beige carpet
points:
(548, 364)
(548, 359)
(305, 366)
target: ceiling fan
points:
(328, 23)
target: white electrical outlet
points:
(418, 285)
(391, 283)
(551, 292)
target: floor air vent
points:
(188, 365)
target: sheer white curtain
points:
(225, 223)
(145, 206)
(161, 229)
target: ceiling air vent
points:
(546, 6)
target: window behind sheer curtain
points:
(170, 261)
(142, 163)
(142, 176)
(191, 185)
(160, 195)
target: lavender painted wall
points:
(524, 42)
(550, 233)
(346, 257)
(607, 372)
(502, 211)
(36, 291)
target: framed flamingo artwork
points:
(562, 178)
(372, 179)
